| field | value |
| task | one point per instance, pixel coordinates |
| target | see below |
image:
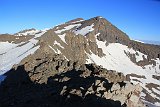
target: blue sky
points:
(140, 19)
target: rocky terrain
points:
(49, 81)
(79, 43)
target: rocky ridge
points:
(52, 80)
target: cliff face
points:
(83, 42)
(52, 80)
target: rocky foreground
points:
(52, 81)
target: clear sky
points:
(140, 19)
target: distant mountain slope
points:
(89, 41)
(151, 42)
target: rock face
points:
(79, 42)
(53, 81)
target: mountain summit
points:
(93, 49)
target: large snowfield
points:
(11, 53)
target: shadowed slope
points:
(18, 90)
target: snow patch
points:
(97, 34)
(150, 104)
(85, 30)
(68, 28)
(14, 53)
(157, 104)
(15, 56)
(138, 41)
(100, 17)
(139, 57)
(65, 57)
(30, 32)
(62, 37)
(5, 46)
(53, 49)
(56, 51)
(143, 95)
(40, 34)
(156, 91)
(56, 43)
(78, 21)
